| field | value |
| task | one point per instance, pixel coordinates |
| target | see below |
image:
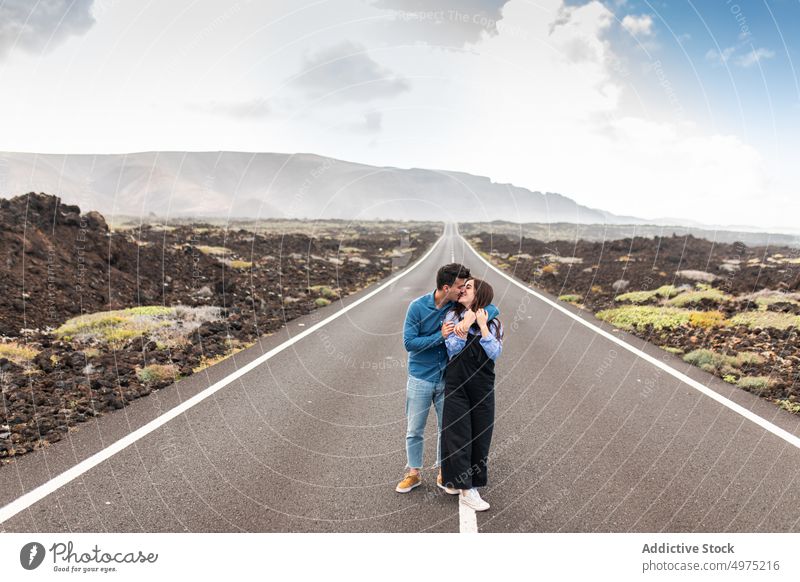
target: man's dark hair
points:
(448, 274)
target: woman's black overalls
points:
(468, 416)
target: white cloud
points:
(638, 25)
(754, 56)
(746, 60)
(536, 104)
(530, 113)
(445, 23)
(39, 26)
(720, 57)
(370, 123)
(250, 109)
(346, 72)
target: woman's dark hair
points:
(448, 274)
(484, 294)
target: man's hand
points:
(447, 328)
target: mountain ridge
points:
(288, 185)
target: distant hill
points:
(241, 185)
(608, 232)
(275, 185)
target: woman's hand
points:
(461, 330)
(482, 317)
(469, 318)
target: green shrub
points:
(117, 336)
(665, 291)
(89, 324)
(705, 359)
(749, 359)
(793, 407)
(717, 363)
(149, 310)
(765, 319)
(754, 382)
(640, 316)
(321, 302)
(672, 350)
(668, 291)
(636, 296)
(324, 291)
(570, 298)
(692, 297)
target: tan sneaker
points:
(410, 481)
(441, 485)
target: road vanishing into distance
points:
(595, 431)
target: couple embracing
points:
(453, 337)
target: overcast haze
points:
(637, 108)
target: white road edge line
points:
(28, 499)
(763, 423)
(467, 520)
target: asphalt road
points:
(588, 437)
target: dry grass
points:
(767, 297)
(549, 270)
(234, 347)
(707, 319)
(166, 325)
(237, 264)
(324, 291)
(17, 353)
(214, 251)
(157, 373)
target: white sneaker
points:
(473, 499)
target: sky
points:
(649, 109)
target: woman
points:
(468, 415)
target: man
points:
(424, 333)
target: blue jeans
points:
(420, 394)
